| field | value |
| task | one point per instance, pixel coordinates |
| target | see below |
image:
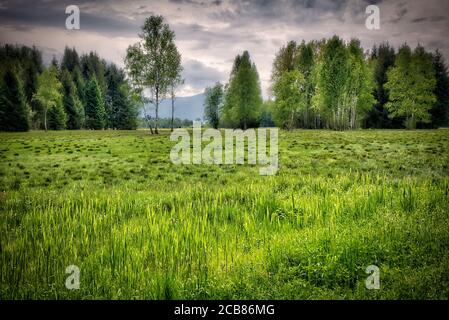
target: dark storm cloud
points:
(52, 14)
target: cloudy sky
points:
(210, 33)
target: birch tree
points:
(148, 61)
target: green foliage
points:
(95, 112)
(93, 65)
(286, 60)
(382, 58)
(70, 60)
(79, 82)
(56, 117)
(291, 98)
(114, 78)
(339, 84)
(411, 84)
(150, 62)
(333, 79)
(49, 96)
(120, 107)
(306, 64)
(243, 97)
(174, 74)
(26, 63)
(266, 114)
(13, 108)
(167, 123)
(72, 104)
(293, 57)
(335, 90)
(212, 104)
(440, 110)
(73, 72)
(126, 109)
(359, 85)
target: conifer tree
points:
(72, 104)
(95, 112)
(13, 109)
(440, 110)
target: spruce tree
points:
(57, 118)
(70, 59)
(72, 104)
(13, 109)
(125, 109)
(114, 78)
(440, 110)
(95, 112)
(79, 82)
(93, 65)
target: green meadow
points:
(140, 227)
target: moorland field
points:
(140, 227)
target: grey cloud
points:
(400, 12)
(438, 18)
(19, 27)
(200, 3)
(199, 76)
(418, 20)
(52, 14)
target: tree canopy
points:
(243, 98)
(153, 63)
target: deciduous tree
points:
(243, 98)
(148, 61)
(411, 84)
(49, 95)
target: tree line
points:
(329, 84)
(74, 93)
(334, 84)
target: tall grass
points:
(139, 227)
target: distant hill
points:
(190, 108)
